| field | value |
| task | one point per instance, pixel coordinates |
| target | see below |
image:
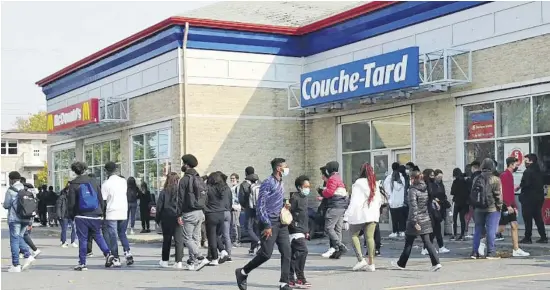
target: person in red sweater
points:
(509, 211)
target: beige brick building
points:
(231, 101)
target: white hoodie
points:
(396, 197)
(359, 210)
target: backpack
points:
(26, 204)
(198, 187)
(61, 206)
(244, 195)
(254, 193)
(478, 196)
(88, 200)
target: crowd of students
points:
(416, 199)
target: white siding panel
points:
(119, 87)
(518, 18)
(473, 29)
(168, 69)
(134, 81)
(150, 76)
(207, 68)
(287, 72)
(107, 90)
(251, 71)
(398, 44)
(367, 52)
(435, 39)
(344, 58)
(546, 12)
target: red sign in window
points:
(481, 130)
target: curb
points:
(134, 240)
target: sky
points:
(40, 38)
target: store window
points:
(541, 113)
(96, 155)
(8, 147)
(62, 173)
(479, 126)
(514, 117)
(151, 158)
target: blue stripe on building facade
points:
(388, 19)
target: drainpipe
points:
(183, 91)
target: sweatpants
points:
(171, 229)
(299, 251)
(83, 226)
(334, 220)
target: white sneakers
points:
(520, 253)
(443, 250)
(164, 264)
(436, 268)
(65, 245)
(15, 269)
(424, 252)
(75, 245)
(393, 235)
(396, 266)
(401, 234)
(214, 263)
(178, 265)
(328, 253)
(432, 268)
(360, 265)
(28, 263)
(36, 253)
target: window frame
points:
(145, 158)
(5, 145)
(101, 164)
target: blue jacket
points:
(10, 203)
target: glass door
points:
(381, 164)
(402, 156)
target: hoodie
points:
(359, 210)
(335, 190)
(217, 198)
(396, 193)
(73, 198)
(190, 195)
(245, 190)
(532, 185)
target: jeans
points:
(334, 220)
(64, 225)
(280, 236)
(17, 232)
(409, 241)
(235, 226)
(252, 226)
(533, 211)
(299, 254)
(114, 229)
(460, 211)
(488, 221)
(171, 230)
(52, 215)
(398, 219)
(83, 226)
(132, 209)
(192, 222)
(214, 225)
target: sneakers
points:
(436, 268)
(81, 268)
(28, 263)
(520, 253)
(343, 249)
(178, 266)
(74, 244)
(542, 241)
(129, 258)
(453, 238)
(377, 253)
(468, 236)
(132, 232)
(328, 253)
(116, 262)
(251, 252)
(214, 263)
(360, 265)
(492, 256)
(526, 241)
(202, 263)
(443, 250)
(241, 279)
(474, 255)
(396, 266)
(15, 269)
(401, 234)
(109, 261)
(228, 260)
(482, 247)
(499, 237)
(284, 287)
(65, 245)
(370, 268)
(302, 284)
(424, 252)
(90, 255)
(460, 239)
(393, 235)
(164, 264)
(36, 253)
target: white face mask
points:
(286, 171)
(407, 172)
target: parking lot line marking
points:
(468, 281)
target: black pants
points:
(533, 211)
(171, 229)
(437, 234)
(43, 214)
(460, 211)
(144, 216)
(252, 227)
(398, 219)
(409, 241)
(299, 253)
(214, 225)
(281, 238)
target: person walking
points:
(169, 211)
(486, 196)
(17, 223)
(299, 232)
(461, 194)
(218, 193)
(224, 233)
(62, 212)
(435, 209)
(132, 196)
(194, 193)
(248, 195)
(532, 199)
(42, 208)
(85, 204)
(273, 226)
(235, 211)
(418, 222)
(114, 192)
(394, 185)
(337, 202)
(51, 199)
(363, 214)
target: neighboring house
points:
(23, 152)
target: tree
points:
(42, 176)
(34, 123)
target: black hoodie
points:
(245, 190)
(217, 198)
(300, 217)
(191, 195)
(532, 185)
(74, 193)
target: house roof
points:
(18, 135)
(280, 13)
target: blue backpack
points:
(87, 198)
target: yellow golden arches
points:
(50, 122)
(86, 114)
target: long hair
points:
(427, 172)
(132, 185)
(395, 176)
(457, 173)
(171, 185)
(216, 181)
(368, 173)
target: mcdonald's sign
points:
(74, 116)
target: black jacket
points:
(532, 185)
(51, 198)
(168, 206)
(190, 195)
(245, 190)
(460, 192)
(73, 195)
(145, 199)
(300, 217)
(217, 198)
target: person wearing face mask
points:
(508, 213)
(394, 186)
(235, 210)
(270, 205)
(532, 199)
(299, 232)
(337, 202)
(441, 195)
(460, 193)
(437, 198)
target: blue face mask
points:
(306, 191)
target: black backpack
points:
(244, 195)
(198, 187)
(26, 203)
(478, 195)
